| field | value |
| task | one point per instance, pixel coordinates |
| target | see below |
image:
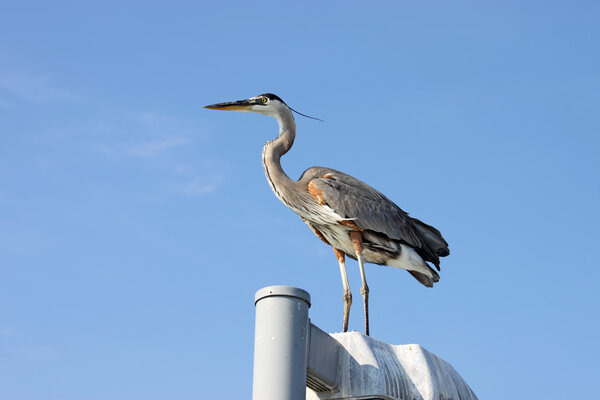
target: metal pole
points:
(281, 343)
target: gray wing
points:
(366, 207)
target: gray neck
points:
(273, 151)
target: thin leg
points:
(356, 237)
(341, 257)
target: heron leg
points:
(356, 237)
(341, 257)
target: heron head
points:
(267, 103)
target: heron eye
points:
(264, 99)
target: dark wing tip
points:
(443, 252)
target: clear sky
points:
(136, 226)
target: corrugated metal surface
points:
(370, 369)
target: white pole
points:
(281, 343)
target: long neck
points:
(273, 151)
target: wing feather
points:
(366, 207)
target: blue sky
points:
(137, 226)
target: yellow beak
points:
(238, 105)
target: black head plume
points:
(272, 96)
(304, 115)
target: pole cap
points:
(280, 290)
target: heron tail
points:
(434, 245)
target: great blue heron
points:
(347, 214)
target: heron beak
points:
(240, 105)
